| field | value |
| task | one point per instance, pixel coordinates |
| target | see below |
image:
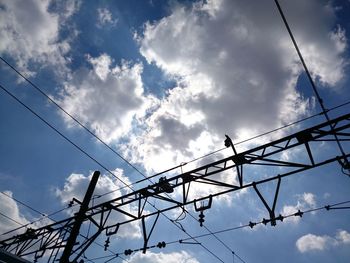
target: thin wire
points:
(37, 211)
(43, 216)
(32, 222)
(87, 153)
(118, 154)
(251, 225)
(99, 139)
(68, 114)
(92, 158)
(60, 133)
(236, 143)
(313, 85)
(9, 218)
(9, 196)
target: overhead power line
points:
(47, 216)
(68, 114)
(11, 219)
(92, 158)
(264, 221)
(90, 132)
(234, 144)
(313, 85)
(43, 216)
(35, 86)
(261, 153)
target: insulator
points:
(127, 252)
(161, 244)
(280, 217)
(299, 213)
(201, 218)
(251, 224)
(107, 243)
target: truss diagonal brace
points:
(271, 210)
(145, 235)
(238, 159)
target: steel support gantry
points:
(290, 155)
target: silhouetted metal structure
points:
(79, 219)
(228, 175)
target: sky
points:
(161, 82)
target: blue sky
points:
(162, 82)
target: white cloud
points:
(9, 208)
(150, 257)
(29, 32)
(236, 70)
(107, 98)
(105, 17)
(312, 242)
(323, 48)
(76, 185)
(305, 201)
(343, 237)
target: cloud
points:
(105, 97)
(29, 32)
(150, 257)
(76, 185)
(9, 207)
(104, 17)
(312, 242)
(305, 201)
(236, 71)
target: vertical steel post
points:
(79, 219)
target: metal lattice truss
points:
(309, 143)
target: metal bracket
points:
(145, 235)
(202, 206)
(238, 159)
(112, 232)
(271, 210)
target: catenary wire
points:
(313, 85)
(196, 159)
(235, 144)
(99, 139)
(299, 213)
(68, 114)
(92, 158)
(103, 167)
(40, 213)
(88, 130)
(43, 216)
(118, 154)
(11, 219)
